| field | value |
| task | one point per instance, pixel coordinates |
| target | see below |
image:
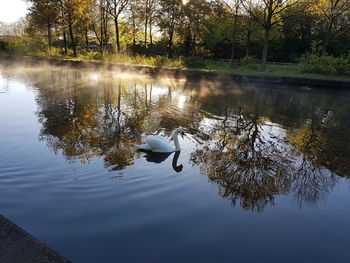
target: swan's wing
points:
(143, 147)
(161, 138)
(159, 144)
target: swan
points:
(159, 144)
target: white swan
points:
(159, 144)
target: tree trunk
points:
(105, 31)
(133, 34)
(193, 48)
(232, 52)
(234, 34)
(117, 34)
(49, 35)
(328, 37)
(101, 38)
(265, 49)
(188, 40)
(247, 45)
(65, 42)
(87, 40)
(170, 44)
(72, 38)
(146, 21)
(150, 35)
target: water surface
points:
(263, 175)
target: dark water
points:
(264, 175)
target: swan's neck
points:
(176, 141)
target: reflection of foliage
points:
(253, 160)
(83, 126)
(84, 121)
(245, 164)
(317, 140)
(255, 144)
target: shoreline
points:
(16, 245)
(192, 74)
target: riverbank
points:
(16, 245)
(282, 76)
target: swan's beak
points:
(182, 134)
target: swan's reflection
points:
(161, 157)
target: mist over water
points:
(262, 170)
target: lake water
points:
(263, 174)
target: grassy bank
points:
(195, 64)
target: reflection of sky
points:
(182, 100)
(94, 77)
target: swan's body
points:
(159, 144)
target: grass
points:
(272, 71)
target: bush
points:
(159, 61)
(12, 47)
(249, 62)
(3, 45)
(194, 62)
(324, 64)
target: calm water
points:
(263, 175)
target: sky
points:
(12, 10)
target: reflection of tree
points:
(252, 159)
(83, 120)
(317, 163)
(254, 143)
(83, 125)
(244, 163)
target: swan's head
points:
(180, 131)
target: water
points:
(263, 175)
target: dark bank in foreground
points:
(16, 245)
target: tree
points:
(268, 13)
(334, 16)
(43, 14)
(196, 15)
(100, 24)
(249, 27)
(13, 29)
(217, 37)
(234, 7)
(115, 8)
(170, 16)
(86, 19)
(146, 11)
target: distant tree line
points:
(275, 30)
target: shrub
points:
(13, 47)
(194, 62)
(159, 61)
(324, 64)
(249, 62)
(3, 45)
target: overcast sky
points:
(12, 10)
